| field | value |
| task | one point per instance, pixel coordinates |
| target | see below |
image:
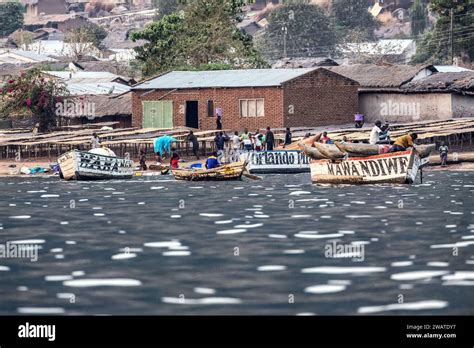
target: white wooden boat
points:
(276, 162)
(97, 164)
(397, 168)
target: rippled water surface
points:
(157, 246)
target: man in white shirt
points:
(236, 141)
(375, 133)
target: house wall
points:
(48, 7)
(405, 107)
(320, 98)
(225, 98)
(463, 105)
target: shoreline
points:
(7, 171)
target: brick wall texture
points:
(318, 98)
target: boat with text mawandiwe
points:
(232, 171)
(396, 168)
(96, 164)
(276, 162)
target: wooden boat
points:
(306, 141)
(312, 152)
(361, 150)
(232, 171)
(276, 162)
(97, 164)
(397, 168)
(329, 151)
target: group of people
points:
(257, 141)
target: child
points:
(143, 165)
(174, 159)
(443, 154)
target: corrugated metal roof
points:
(96, 88)
(67, 75)
(449, 68)
(223, 78)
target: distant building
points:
(389, 51)
(248, 98)
(34, 8)
(18, 57)
(405, 93)
(294, 63)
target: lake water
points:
(158, 246)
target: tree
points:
(435, 46)
(32, 93)
(418, 16)
(203, 34)
(11, 17)
(297, 28)
(85, 39)
(354, 15)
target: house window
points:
(210, 108)
(252, 107)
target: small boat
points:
(96, 164)
(276, 162)
(232, 171)
(396, 167)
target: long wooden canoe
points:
(361, 150)
(396, 167)
(312, 152)
(330, 151)
(232, 171)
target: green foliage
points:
(418, 18)
(90, 32)
(354, 15)
(34, 94)
(304, 28)
(11, 17)
(203, 34)
(167, 7)
(435, 46)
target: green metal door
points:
(157, 114)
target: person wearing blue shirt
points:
(212, 161)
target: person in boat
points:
(384, 136)
(344, 140)
(174, 162)
(288, 137)
(404, 142)
(443, 154)
(143, 165)
(325, 139)
(269, 139)
(246, 138)
(375, 133)
(194, 141)
(212, 161)
(95, 141)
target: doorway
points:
(192, 118)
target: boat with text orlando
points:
(276, 162)
(396, 168)
(96, 164)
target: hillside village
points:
(375, 77)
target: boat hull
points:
(395, 168)
(81, 165)
(231, 171)
(276, 162)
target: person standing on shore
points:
(236, 142)
(219, 118)
(143, 165)
(288, 137)
(247, 140)
(443, 154)
(269, 139)
(95, 141)
(194, 141)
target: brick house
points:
(248, 99)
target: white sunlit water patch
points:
(232, 231)
(97, 282)
(201, 301)
(324, 289)
(409, 306)
(417, 275)
(271, 268)
(343, 270)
